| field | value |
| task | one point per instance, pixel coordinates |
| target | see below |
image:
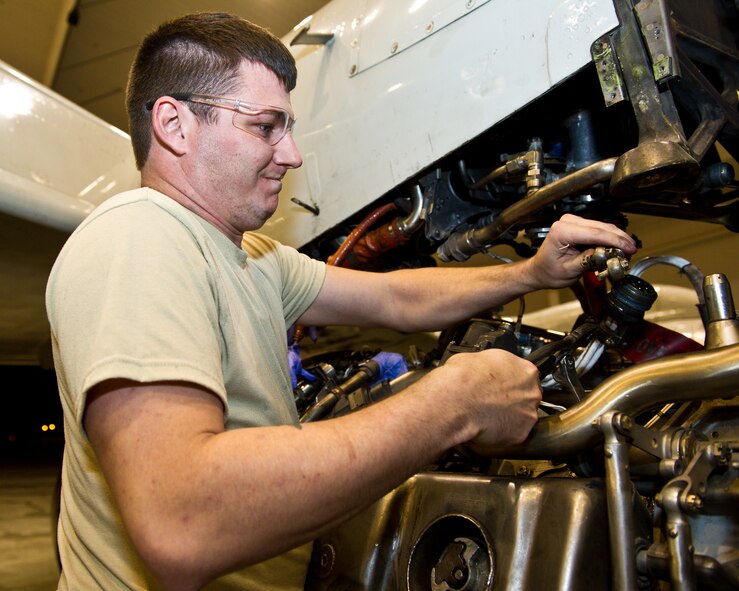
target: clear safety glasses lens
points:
(268, 124)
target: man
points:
(184, 457)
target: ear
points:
(172, 124)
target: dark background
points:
(30, 400)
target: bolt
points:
(693, 502)
(718, 452)
(394, 47)
(672, 533)
(524, 471)
(353, 70)
(609, 452)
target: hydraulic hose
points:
(459, 247)
(365, 374)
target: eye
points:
(264, 124)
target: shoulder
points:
(266, 252)
(142, 202)
(141, 216)
(256, 245)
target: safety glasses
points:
(268, 123)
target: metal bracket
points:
(680, 496)
(654, 20)
(611, 83)
(305, 38)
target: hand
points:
(500, 394)
(557, 262)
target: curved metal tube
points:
(413, 221)
(693, 273)
(460, 247)
(490, 177)
(678, 378)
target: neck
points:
(185, 199)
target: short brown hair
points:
(197, 53)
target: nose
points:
(287, 153)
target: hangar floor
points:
(27, 549)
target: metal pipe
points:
(693, 273)
(619, 500)
(459, 247)
(490, 177)
(722, 327)
(703, 375)
(414, 219)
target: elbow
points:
(184, 553)
(175, 558)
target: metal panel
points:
(368, 133)
(545, 533)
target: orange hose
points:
(337, 259)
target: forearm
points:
(414, 300)
(219, 501)
(431, 299)
(301, 482)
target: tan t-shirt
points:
(146, 290)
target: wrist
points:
(450, 400)
(526, 276)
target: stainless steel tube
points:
(691, 376)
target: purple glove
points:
(296, 365)
(391, 365)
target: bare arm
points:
(431, 299)
(199, 501)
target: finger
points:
(572, 230)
